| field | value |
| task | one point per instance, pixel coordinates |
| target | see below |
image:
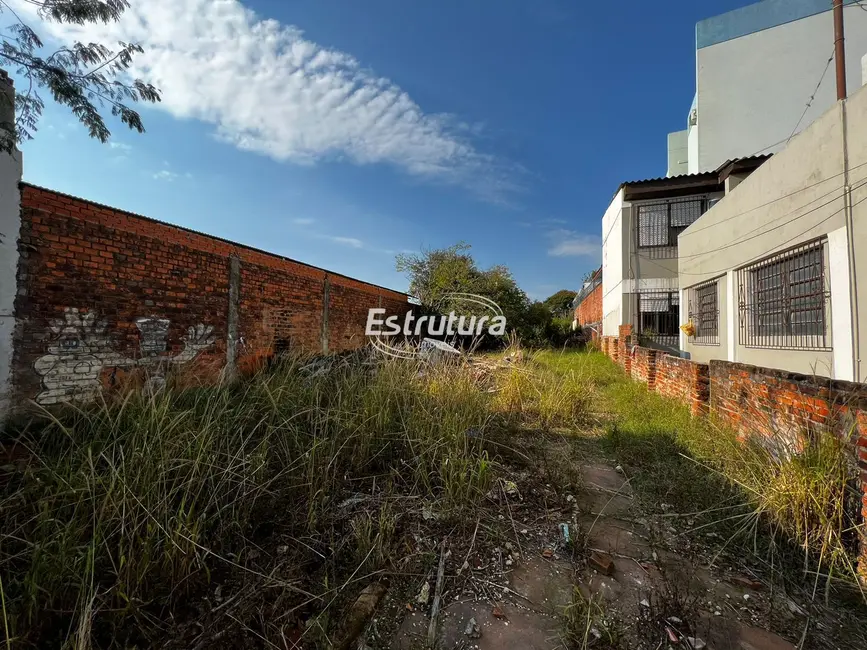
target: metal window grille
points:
(783, 300)
(658, 316)
(659, 224)
(704, 313)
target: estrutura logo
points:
(491, 321)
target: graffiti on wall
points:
(81, 349)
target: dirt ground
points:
(571, 559)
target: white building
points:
(770, 273)
(640, 285)
(756, 69)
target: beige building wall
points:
(797, 196)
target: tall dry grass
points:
(130, 506)
(767, 497)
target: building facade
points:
(757, 68)
(640, 283)
(769, 274)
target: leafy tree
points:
(436, 274)
(560, 301)
(86, 77)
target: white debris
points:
(424, 594)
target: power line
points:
(765, 232)
(692, 231)
(763, 255)
(813, 96)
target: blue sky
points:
(342, 132)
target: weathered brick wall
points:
(590, 309)
(685, 380)
(644, 366)
(610, 345)
(784, 409)
(104, 293)
(624, 348)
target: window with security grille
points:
(659, 224)
(704, 313)
(784, 300)
(658, 315)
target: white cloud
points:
(165, 175)
(348, 241)
(119, 146)
(268, 89)
(303, 221)
(573, 244)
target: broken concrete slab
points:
(606, 479)
(546, 585)
(616, 537)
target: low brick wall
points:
(784, 409)
(685, 380)
(624, 348)
(644, 364)
(609, 347)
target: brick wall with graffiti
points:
(105, 296)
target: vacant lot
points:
(346, 501)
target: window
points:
(704, 313)
(784, 302)
(658, 316)
(659, 224)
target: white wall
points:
(10, 226)
(752, 90)
(678, 153)
(795, 197)
(612, 266)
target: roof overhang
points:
(688, 184)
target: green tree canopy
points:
(434, 275)
(89, 78)
(560, 301)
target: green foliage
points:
(86, 77)
(435, 274)
(560, 302)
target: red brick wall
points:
(785, 409)
(609, 347)
(644, 366)
(88, 272)
(590, 309)
(683, 379)
(624, 347)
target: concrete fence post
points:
(326, 297)
(11, 168)
(231, 371)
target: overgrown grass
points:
(128, 508)
(759, 496)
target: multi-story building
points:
(757, 72)
(769, 275)
(640, 231)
